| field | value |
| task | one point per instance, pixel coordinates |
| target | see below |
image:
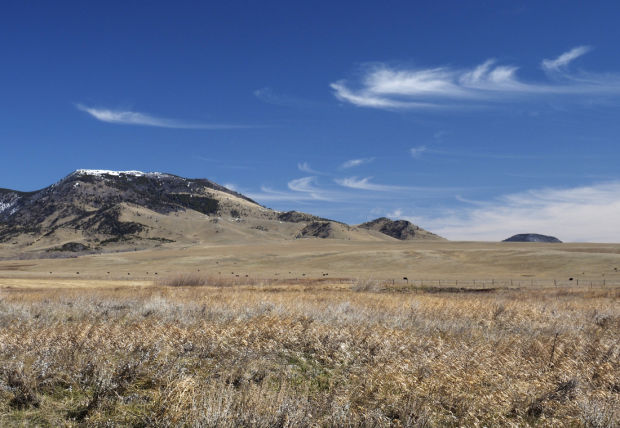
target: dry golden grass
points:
(311, 258)
(309, 354)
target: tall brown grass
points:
(303, 355)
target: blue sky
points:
(476, 120)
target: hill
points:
(531, 237)
(99, 210)
(399, 229)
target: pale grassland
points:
(309, 355)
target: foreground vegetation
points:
(309, 355)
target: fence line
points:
(509, 283)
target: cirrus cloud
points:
(566, 58)
(367, 184)
(356, 162)
(416, 152)
(392, 88)
(127, 117)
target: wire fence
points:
(312, 278)
(509, 283)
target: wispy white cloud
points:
(416, 152)
(305, 167)
(125, 117)
(386, 87)
(356, 162)
(563, 60)
(309, 189)
(269, 96)
(587, 213)
(268, 194)
(396, 214)
(366, 98)
(367, 184)
(308, 186)
(304, 189)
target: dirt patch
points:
(457, 290)
(16, 267)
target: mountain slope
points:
(103, 206)
(96, 210)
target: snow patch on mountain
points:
(6, 205)
(101, 172)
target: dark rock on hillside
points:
(71, 246)
(399, 229)
(296, 217)
(299, 217)
(317, 229)
(532, 237)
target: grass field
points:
(309, 353)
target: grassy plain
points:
(290, 259)
(348, 349)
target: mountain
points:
(399, 229)
(98, 210)
(531, 237)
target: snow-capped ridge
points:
(101, 172)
